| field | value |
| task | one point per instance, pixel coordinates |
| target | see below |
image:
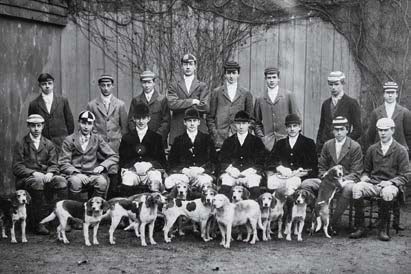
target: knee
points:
(357, 190)
(101, 183)
(36, 184)
(128, 179)
(74, 184)
(59, 182)
(389, 193)
(347, 191)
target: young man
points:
(339, 104)
(157, 103)
(193, 153)
(35, 168)
(341, 150)
(141, 155)
(81, 159)
(225, 102)
(111, 121)
(242, 158)
(54, 109)
(184, 93)
(271, 109)
(386, 172)
(292, 159)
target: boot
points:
(76, 196)
(342, 205)
(396, 222)
(39, 211)
(126, 191)
(113, 187)
(61, 194)
(254, 192)
(359, 219)
(384, 214)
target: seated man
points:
(79, 159)
(141, 155)
(344, 151)
(35, 168)
(386, 169)
(292, 159)
(242, 158)
(193, 153)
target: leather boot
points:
(61, 194)
(396, 222)
(76, 196)
(359, 219)
(126, 191)
(384, 214)
(342, 205)
(39, 211)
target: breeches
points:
(363, 190)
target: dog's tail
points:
(49, 218)
(76, 219)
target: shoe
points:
(360, 232)
(42, 230)
(383, 236)
(398, 227)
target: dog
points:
(331, 181)
(272, 209)
(141, 209)
(14, 210)
(88, 213)
(229, 215)
(298, 203)
(239, 193)
(198, 210)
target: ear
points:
(260, 199)
(150, 201)
(325, 174)
(273, 201)
(106, 206)
(203, 198)
(310, 198)
(28, 197)
(88, 207)
(14, 201)
(173, 192)
(246, 194)
(230, 194)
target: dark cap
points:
(44, 77)
(141, 110)
(87, 116)
(187, 58)
(191, 113)
(105, 78)
(231, 65)
(242, 116)
(292, 119)
(271, 70)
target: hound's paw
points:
(227, 246)
(24, 240)
(66, 242)
(299, 239)
(96, 243)
(181, 233)
(222, 243)
(252, 242)
(288, 237)
(167, 240)
(280, 236)
(112, 242)
(4, 236)
(143, 244)
(153, 242)
(88, 244)
(265, 238)
(14, 241)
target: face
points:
(47, 86)
(266, 200)
(300, 198)
(238, 192)
(189, 68)
(21, 196)
(385, 134)
(182, 189)
(293, 129)
(148, 85)
(232, 76)
(192, 124)
(209, 195)
(96, 204)
(272, 80)
(35, 129)
(340, 132)
(390, 96)
(106, 87)
(142, 122)
(242, 127)
(219, 200)
(85, 127)
(336, 87)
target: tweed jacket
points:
(347, 107)
(351, 159)
(150, 149)
(220, 120)
(270, 116)
(159, 113)
(251, 154)
(74, 160)
(303, 154)
(184, 153)
(27, 159)
(179, 99)
(111, 124)
(59, 122)
(402, 120)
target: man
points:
(54, 109)
(111, 121)
(386, 169)
(292, 159)
(157, 103)
(242, 158)
(225, 102)
(271, 109)
(81, 159)
(185, 93)
(340, 104)
(344, 151)
(141, 155)
(35, 168)
(193, 153)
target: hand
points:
(300, 172)
(83, 178)
(365, 178)
(98, 169)
(284, 171)
(196, 102)
(383, 184)
(48, 177)
(38, 176)
(233, 172)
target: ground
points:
(316, 254)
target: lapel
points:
(246, 140)
(381, 112)
(297, 144)
(225, 92)
(396, 112)
(153, 97)
(54, 103)
(344, 150)
(100, 106)
(42, 144)
(182, 84)
(113, 105)
(340, 103)
(42, 104)
(30, 142)
(238, 94)
(193, 86)
(77, 144)
(390, 150)
(280, 95)
(332, 150)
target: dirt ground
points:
(188, 254)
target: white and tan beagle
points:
(272, 209)
(239, 193)
(88, 213)
(229, 215)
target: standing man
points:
(184, 93)
(157, 103)
(111, 120)
(271, 109)
(225, 102)
(54, 109)
(386, 172)
(35, 168)
(339, 104)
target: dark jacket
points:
(303, 154)
(59, 122)
(184, 153)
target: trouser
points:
(97, 183)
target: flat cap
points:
(390, 86)
(271, 70)
(141, 110)
(87, 116)
(242, 116)
(105, 78)
(336, 76)
(231, 65)
(191, 113)
(44, 77)
(35, 119)
(147, 75)
(187, 58)
(340, 121)
(292, 119)
(385, 123)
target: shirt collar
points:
(106, 99)
(142, 131)
(47, 96)
(188, 78)
(272, 90)
(339, 96)
(342, 142)
(390, 105)
(35, 139)
(387, 144)
(192, 134)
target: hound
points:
(239, 193)
(272, 209)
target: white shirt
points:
(141, 133)
(106, 101)
(338, 147)
(48, 99)
(389, 108)
(232, 90)
(241, 137)
(292, 140)
(188, 80)
(385, 147)
(337, 98)
(272, 93)
(149, 95)
(84, 139)
(192, 135)
(36, 141)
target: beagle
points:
(272, 209)
(198, 210)
(12, 211)
(229, 215)
(239, 193)
(88, 213)
(180, 190)
(331, 181)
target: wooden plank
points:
(300, 41)
(244, 61)
(110, 50)
(257, 65)
(327, 35)
(272, 47)
(124, 82)
(96, 58)
(337, 55)
(286, 55)
(82, 69)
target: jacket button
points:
(292, 164)
(291, 154)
